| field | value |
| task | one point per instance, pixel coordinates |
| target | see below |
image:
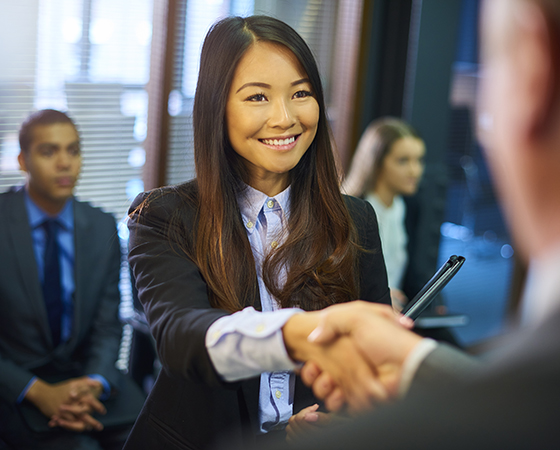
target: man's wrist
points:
(411, 363)
(35, 390)
(103, 388)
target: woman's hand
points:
(309, 420)
(398, 299)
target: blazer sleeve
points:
(104, 336)
(373, 274)
(170, 287)
(445, 365)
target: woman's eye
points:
(302, 94)
(257, 98)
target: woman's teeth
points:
(279, 141)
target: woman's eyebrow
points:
(303, 80)
(254, 83)
(268, 86)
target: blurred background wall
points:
(126, 71)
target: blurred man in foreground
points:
(513, 399)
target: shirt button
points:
(270, 204)
(274, 244)
(278, 394)
(250, 224)
(260, 328)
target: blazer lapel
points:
(82, 262)
(20, 235)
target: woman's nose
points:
(282, 115)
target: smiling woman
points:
(224, 262)
(272, 119)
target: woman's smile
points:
(280, 143)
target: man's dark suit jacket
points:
(26, 349)
(509, 400)
(189, 406)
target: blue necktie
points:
(52, 290)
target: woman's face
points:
(403, 166)
(271, 115)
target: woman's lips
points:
(281, 143)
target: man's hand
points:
(339, 357)
(69, 404)
(378, 343)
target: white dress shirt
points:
(249, 342)
(540, 296)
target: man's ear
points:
(536, 66)
(21, 161)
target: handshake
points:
(353, 352)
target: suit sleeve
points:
(106, 330)
(13, 379)
(373, 274)
(444, 365)
(171, 289)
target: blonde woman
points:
(388, 164)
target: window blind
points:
(89, 58)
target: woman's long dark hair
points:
(320, 252)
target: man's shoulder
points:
(86, 206)
(10, 198)
(86, 212)
(11, 192)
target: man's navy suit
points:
(26, 348)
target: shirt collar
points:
(37, 216)
(540, 297)
(252, 201)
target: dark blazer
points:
(26, 349)
(189, 406)
(509, 401)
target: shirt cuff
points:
(249, 342)
(106, 386)
(25, 390)
(412, 362)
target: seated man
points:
(59, 296)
